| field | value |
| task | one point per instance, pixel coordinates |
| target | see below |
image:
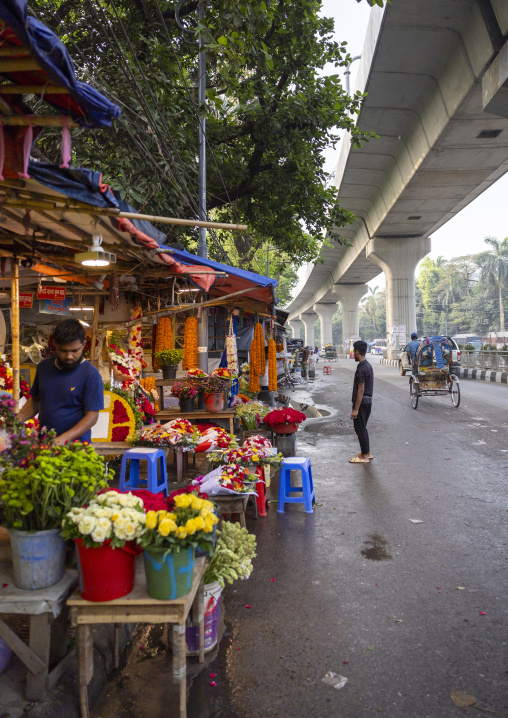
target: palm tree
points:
(494, 270)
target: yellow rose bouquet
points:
(190, 523)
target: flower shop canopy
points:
(35, 60)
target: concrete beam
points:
(325, 313)
(398, 259)
(349, 296)
(495, 85)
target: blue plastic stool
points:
(152, 456)
(306, 489)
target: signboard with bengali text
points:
(57, 294)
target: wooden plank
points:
(40, 632)
(60, 668)
(9, 65)
(32, 89)
(141, 615)
(15, 331)
(23, 652)
(85, 655)
(14, 51)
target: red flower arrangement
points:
(284, 416)
(120, 416)
(120, 433)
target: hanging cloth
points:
(27, 146)
(66, 144)
(229, 357)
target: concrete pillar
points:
(308, 322)
(325, 313)
(349, 296)
(398, 259)
(296, 325)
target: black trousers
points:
(360, 424)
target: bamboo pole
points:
(15, 330)
(95, 324)
(23, 64)
(32, 89)
(38, 120)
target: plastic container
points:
(168, 575)
(5, 655)
(285, 428)
(186, 404)
(106, 573)
(212, 593)
(169, 371)
(38, 558)
(214, 402)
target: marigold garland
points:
(272, 366)
(257, 359)
(163, 339)
(148, 384)
(190, 344)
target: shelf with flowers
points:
(6, 380)
(178, 433)
(170, 541)
(39, 485)
(187, 393)
(105, 531)
(284, 421)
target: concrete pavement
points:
(394, 606)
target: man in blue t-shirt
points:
(67, 392)
(412, 347)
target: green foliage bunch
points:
(234, 551)
(37, 496)
(169, 357)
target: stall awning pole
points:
(95, 324)
(15, 330)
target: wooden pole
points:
(15, 330)
(37, 120)
(95, 324)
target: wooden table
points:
(231, 505)
(139, 607)
(110, 448)
(48, 628)
(194, 416)
(162, 383)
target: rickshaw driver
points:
(412, 348)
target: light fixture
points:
(96, 256)
(81, 309)
(85, 324)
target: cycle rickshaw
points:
(431, 373)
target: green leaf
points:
(222, 40)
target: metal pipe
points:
(347, 73)
(15, 330)
(202, 248)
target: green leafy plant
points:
(37, 496)
(169, 357)
(234, 550)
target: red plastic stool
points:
(261, 492)
(327, 370)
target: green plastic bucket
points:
(168, 575)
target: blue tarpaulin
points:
(86, 105)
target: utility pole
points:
(202, 244)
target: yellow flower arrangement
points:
(163, 339)
(190, 344)
(272, 366)
(191, 523)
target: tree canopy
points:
(270, 112)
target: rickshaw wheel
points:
(413, 392)
(455, 391)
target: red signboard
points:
(57, 294)
(26, 300)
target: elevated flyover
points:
(436, 77)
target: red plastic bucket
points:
(106, 573)
(214, 402)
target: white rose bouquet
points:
(113, 517)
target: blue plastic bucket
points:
(5, 655)
(38, 558)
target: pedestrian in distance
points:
(412, 348)
(67, 392)
(316, 355)
(363, 386)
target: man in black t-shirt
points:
(363, 386)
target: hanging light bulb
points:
(95, 256)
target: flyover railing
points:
(492, 360)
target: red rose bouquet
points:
(284, 416)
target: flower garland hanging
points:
(148, 384)
(135, 350)
(190, 344)
(272, 366)
(163, 339)
(122, 363)
(256, 359)
(6, 381)
(231, 349)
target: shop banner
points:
(26, 300)
(47, 306)
(57, 294)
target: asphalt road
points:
(407, 612)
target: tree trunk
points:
(501, 308)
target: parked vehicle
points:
(378, 346)
(405, 365)
(431, 372)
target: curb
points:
(500, 377)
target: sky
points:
(485, 217)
